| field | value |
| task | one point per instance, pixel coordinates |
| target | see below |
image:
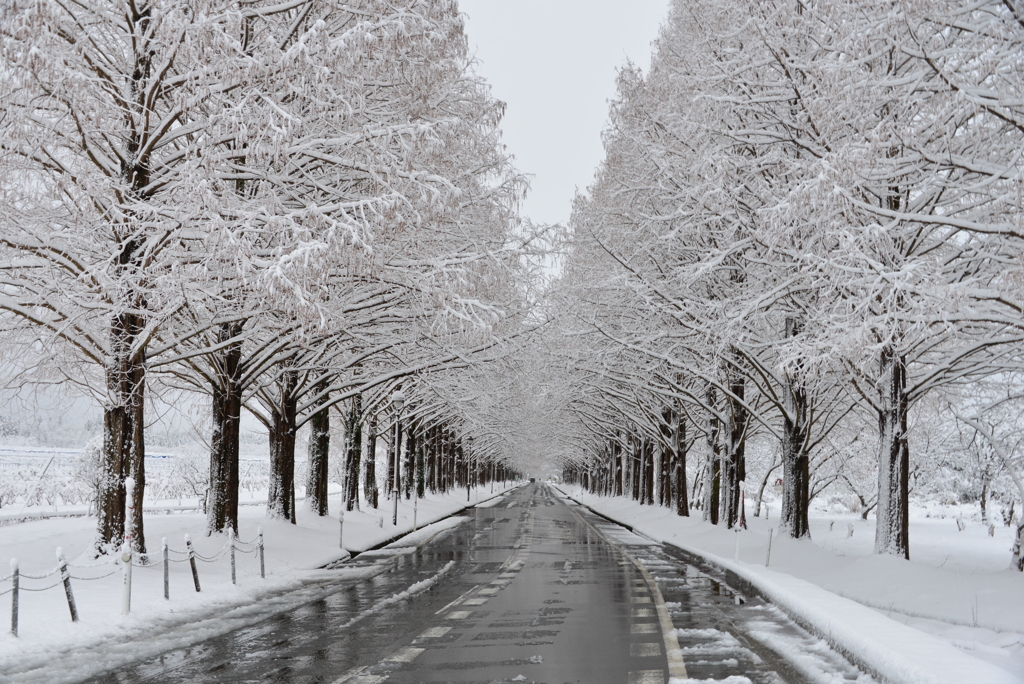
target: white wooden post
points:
(341, 530)
(126, 547)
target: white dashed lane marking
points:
(647, 677)
(406, 655)
(434, 632)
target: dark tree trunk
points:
(736, 462)
(636, 468)
(713, 472)
(124, 448)
(893, 522)
(679, 466)
(319, 454)
(649, 466)
(222, 500)
(389, 487)
(409, 469)
(372, 493)
(665, 460)
(281, 497)
(432, 459)
(421, 476)
(795, 461)
(617, 456)
(353, 452)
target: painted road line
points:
(474, 602)
(354, 676)
(406, 655)
(647, 677)
(644, 612)
(488, 591)
(674, 655)
(459, 614)
(640, 599)
(644, 628)
(434, 633)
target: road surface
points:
(534, 589)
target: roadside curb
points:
(352, 555)
(865, 636)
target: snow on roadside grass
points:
(810, 579)
(103, 638)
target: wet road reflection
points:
(530, 590)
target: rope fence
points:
(124, 562)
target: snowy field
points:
(957, 586)
(48, 642)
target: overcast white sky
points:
(554, 63)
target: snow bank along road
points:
(532, 589)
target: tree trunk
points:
(432, 459)
(617, 460)
(649, 466)
(281, 497)
(124, 449)
(636, 465)
(370, 488)
(893, 517)
(389, 486)
(679, 467)
(409, 469)
(319, 454)
(353, 452)
(712, 492)
(795, 461)
(735, 457)
(1017, 559)
(222, 500)
(421, 476)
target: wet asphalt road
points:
(531, 590)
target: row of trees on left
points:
(281, 205)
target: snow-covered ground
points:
(104, 638)
(956, 591)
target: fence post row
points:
(66, 578)
(127, 561)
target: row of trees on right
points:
(809, 214)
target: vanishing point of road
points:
(534, 589)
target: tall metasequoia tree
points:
(107, 110)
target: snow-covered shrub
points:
(87, 471)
